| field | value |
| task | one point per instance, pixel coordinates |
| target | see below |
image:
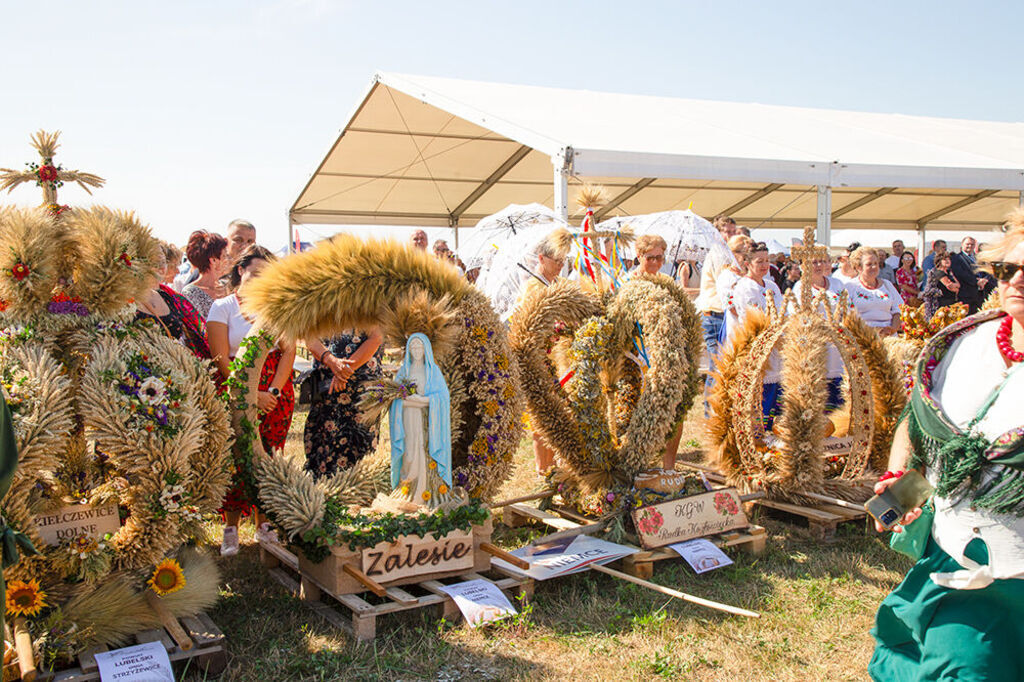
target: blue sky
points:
(201, 112)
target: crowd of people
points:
(199, 304)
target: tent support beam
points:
(824, 231)
(561, 179)
(924, 220)
(291, 233)
(860, 202)
(626, 194)
(1020, 198)
(922, 244)
(498, 174)
(759, 194)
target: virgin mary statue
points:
(421, 447)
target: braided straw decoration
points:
(529, 330)
(653, 305)
(42, 427)
(735, 430)
(148, 458)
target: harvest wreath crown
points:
(350, 283)
(612, 419)
(123, 443)
(802, 332)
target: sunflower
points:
(442, 489)
(167, 577)
(426, 496)
(25, 598)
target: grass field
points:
(817, 603)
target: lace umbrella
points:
(491, 233)
(689, 237)
(511, 265)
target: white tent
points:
(430, 151)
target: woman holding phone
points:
(959, 613)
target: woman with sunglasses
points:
(959, 613)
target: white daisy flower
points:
(152, 392)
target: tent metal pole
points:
(1020, 198)
(922, 244)
(824, 231)
(291, 233)
(561, 178)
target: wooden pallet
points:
(358, 613)
(822, 518)
(208, 656)
(640, 564)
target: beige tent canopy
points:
(442, 152)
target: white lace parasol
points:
(482, 242)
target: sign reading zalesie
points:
(411, 555)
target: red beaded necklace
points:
(1003, 341)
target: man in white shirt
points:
(708, 303)
(893, 261)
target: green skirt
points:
(927, 632)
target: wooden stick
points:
(505, 556)
(168, 620)
(833, 500)
(23, 643)
(756, 495)
(525, 498)
(588, 529)
(366, 581)
(675, 593)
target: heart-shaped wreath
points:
(602, 433)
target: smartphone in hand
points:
(910, 491)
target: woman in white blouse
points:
(226, 326)
(832, 288)
(753, 291)
(876, 299)
(740, 245)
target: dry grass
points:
(817, 603)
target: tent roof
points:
(428, 151)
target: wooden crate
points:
(208, 655)
(357, 613)
(641, 564)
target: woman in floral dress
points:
(334, 438)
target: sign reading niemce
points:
(411, 555)
(67, 523)
(695, 516)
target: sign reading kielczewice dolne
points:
(694, 516)
(73, 520)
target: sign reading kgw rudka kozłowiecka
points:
(67, 523)
(694, 516)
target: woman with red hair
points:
(206, 251)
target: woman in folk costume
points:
(959, 613)
(740, 245)
(832, 288)
(753, 291)
(421, 441)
